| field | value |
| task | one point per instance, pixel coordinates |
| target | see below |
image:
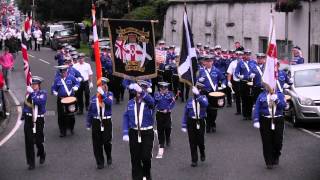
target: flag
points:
(188, 56)
(96, 44)
(24, 51)
(133, 48)
(270, 74)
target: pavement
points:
(234, 152)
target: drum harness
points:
(100, 111)
(34, 112)
(139, 118)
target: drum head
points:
(68, 100)
(216, 94)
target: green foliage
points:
(290, 6)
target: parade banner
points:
(188, 56)
(132, 48)
(270, 74)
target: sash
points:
(279, 86)
(196, 110)
(102, 113)
(246, 65)
(210, 80)
(259, 70)
(65, 87)
(34, 118)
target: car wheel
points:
(295, 120)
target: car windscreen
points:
(65, 33)
(306, 78)
(53, 29)
(104, 43)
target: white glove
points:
(90, 85)
(184, 130)
(291, 80)
(131, 86)
(195, 90)
(100, 90)
(241, 76)
(137, 88)
(79, 79)
(223, 86)
(252, 75)
(88, 129)
(273, 97)
(125, 138)
(29, 89)
(286, 86)
(229, 84)
(256, 125)
(149, 90)
(201, 79)
(75, 88)
(55, 93)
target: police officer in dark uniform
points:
(138, 130)
(164, 103)
(33, 115)
(193, 122)
(211, 77)
(99, 119)
(268, 117)
(64, 85)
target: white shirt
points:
(84, 69)
(232, 69)
(37, 33)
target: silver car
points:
(305, 93)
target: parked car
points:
(50, 31)
(102, 42)
(68, 25)
(305, 93)
(64, 36)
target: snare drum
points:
(39, 40)
(69, 105)
(216, 99)
(250, 88)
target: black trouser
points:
(29, 44)
(176, 84)
(271, 139)
(256, 92)
(84, 88)
(167, 77)
(65, 121)
(1, 42)
(227, 91)
(101, 139)
(196, 138)
(246, 99)
(141, 153)
(33, 138)
(184, 94)
(236, 88)
(163, 127)
(4, 108)
(36, 45)
(154, 84)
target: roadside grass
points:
(84, 48)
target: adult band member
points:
(164, 103)
(138, 128)
(193, 122)
(271, 123)
(257, 70)
(210, 76)
(33, 115)
(65, 85)
(85, 85)
(99, 119)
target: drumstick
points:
(232, 91)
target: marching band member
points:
(164, 103)
(193, 122)
(283, 81)
(258, 72)
(270, 121)
(99, 119)
(64, 85)
(37, 34)
(210, 76)
(297, 56)
(33, 115)
(138, 130)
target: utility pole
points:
(287, 36)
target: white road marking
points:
(18, 122)
(30, 55)
(44, 61)
(310, 132)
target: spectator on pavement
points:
(7, 62)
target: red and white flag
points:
(24, 51)
(270, 74)
(96, 44)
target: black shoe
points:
(168, 143)
(31, 167)
(208, 130)
(100, 166)
(194, 164)
(237, 113)
(71, 131)
(203, 157)
(213, 129)
(275, 161)
(80, 112)
(249, 118)
(229, 105)
(117, 101)
(269, 166)
(87, 108)
(43, 158)
(62, 135)
(245, 119)
(109, 161)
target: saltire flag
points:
(270, 75)
(188, 57)
(133, 48)
(24, 51)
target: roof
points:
(305, 66)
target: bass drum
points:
(69, 105)
(216, 99)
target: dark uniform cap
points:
(144, 83)
(297, 47)
(200, 58)
(172, 47)
(206, 46)
(64, 44)
(208, 58)
(67, 59)
(81, 55)
(247, 51)
(224, 50)
(75, 57)
(72, 49)
(162, 42)
(232, 51)
(164, 84)
(217, 47)
(62, 67)
(199, 44)
(239, 52)
(36, 80)
(69, 47)
(74, 53)
(104, 80)
(261, 55)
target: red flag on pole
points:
(270, 74)
(24, 51)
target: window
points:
(230, 42)
(281, 49)
(315, 53)
(208, 38)
(247, 43)
(263, 44)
